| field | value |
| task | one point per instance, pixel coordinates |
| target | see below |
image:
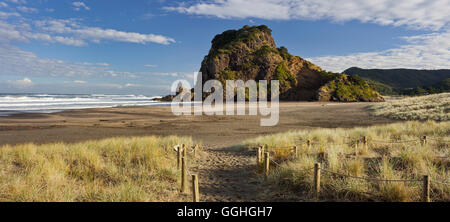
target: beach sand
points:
(226, 173)
(86, 124)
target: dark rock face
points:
(251, 53)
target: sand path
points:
(227, 174)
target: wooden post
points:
(426, 188)
(309, 143)
(183, 174)
(365, 141)
(356, 150)
(184, 150)
(195, 193)
(195, 151)
(295, 151)
(317, 180)
(424, 140)
(179, 157)
(258, 156)
(266, 164)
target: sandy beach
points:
(86, 124)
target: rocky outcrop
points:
(251, 53)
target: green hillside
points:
(405, 81)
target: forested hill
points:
(405, 80)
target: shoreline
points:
(97, 123)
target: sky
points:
(142, 46)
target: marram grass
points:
(431, 107)
(346, 154)
(116, 169)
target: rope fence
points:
(266, 161)
(443, 183)
(368, 178)
(366, 141)
(182, 160)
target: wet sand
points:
(86, 124)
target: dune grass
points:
(343, 151)
(116, 169)
(431, 107)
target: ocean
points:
(49, 103)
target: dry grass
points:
(431, 107)
(117, 169)
(342, 151)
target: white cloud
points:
(80, 5)
(68, 32)
(27, 9)
(79, 81)
(17, 1)
(96, 34)
(5, 15)
(151, 65)
(22, 33)
(9, 33)
(111, 85)
(133, 85)
(429, 51)
(17, 62)
(24, 83)
(430, 14)
(2, 4)
(54, 39)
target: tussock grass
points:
(116, 169)
(431, 107)
(346, 154)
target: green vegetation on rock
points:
(264, 51)
(284, 53)
(225, 42)
(228, 75)
(286, 78)
(342, 87)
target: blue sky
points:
(141, 47)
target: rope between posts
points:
(445, 141)
(308, 169)
(370, 140)
(278, 164)
(367, 178)
(178, 147)
(364, 178)
(275, 162)
(405, 141)
(447, 184)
